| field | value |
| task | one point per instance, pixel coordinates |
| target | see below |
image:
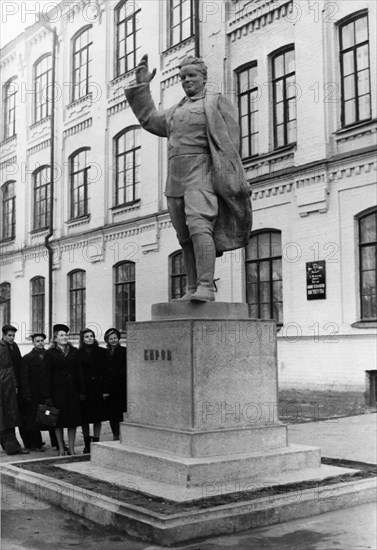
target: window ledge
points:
(123, 77)
(355, 127)
(78, 221)
(40, 122)
(8, 140)
(365, 324)
(84, 99)
(40, 231)
(7, 240)
(126, 205)
(178, 46)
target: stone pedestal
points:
(202, 395)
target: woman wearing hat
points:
(95, 408)
(64, 386)
(116, 360)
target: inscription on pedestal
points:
(157, 354)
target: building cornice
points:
(258, 16)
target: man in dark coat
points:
(206, 189)
(32, 377)
(116, 362)
(10, 417)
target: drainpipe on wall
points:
(52, 176)
(197, 28)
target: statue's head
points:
(193, 75)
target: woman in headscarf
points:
(95, 408)
(116, 361)
(64, 386)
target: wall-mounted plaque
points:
(316, 280)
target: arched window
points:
(181, 20)
(42, 87)
(77, 300)
(127, 162)
(177, 275)
(81, 63)
(264, 280)
(354, 69)
(4, 304)
(9, 210)
(248, 97)
(42, 191)
(284, 96)
(9, 94)
(127, 24)
(368, 267)
(79, 172)
(37, 288)
(124, 294)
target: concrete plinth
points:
(202, 396)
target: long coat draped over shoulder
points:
(9, 410)
(64, 383)
(234, 220)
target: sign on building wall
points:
(316, 280)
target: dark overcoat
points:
(234, 220)
(9, 410)
(32, 380)
(64, 383)
(117, 370)
(94, 408)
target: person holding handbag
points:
(64, 386)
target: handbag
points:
(47, 415)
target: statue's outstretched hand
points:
(143, 75)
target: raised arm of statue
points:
(143, 75)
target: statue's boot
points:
(190, 267)
(205, 254)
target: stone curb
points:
(144, 524)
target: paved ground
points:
(31, 525)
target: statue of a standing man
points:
(206, 189)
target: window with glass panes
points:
(368, 267)
(79, 183)
(10, 91)
(127, 22)
(284, 97)
(42, 190)
(124, 294)
(248, 96)
(5, 303)
(177, 275)
(127, 160)
(181, 20)
(38, 304)
(264, 282)
(9, 210)
(42, 88)
(355, 72)
(81, 63)
(77, 300)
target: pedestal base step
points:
(189, 472)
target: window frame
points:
(37, 304)
(77, 301)
(270, 259)
(361, 247)
(10, 108)
(78, 69)
(119, 307)
(8, 211)
(274, 81)
(181, 22)
(181, 276)
(6, 288)
(136, 29)
(240, 95)
(136, 168)
(46, 192)
(351, 19)
(82, 212)
(45, 104)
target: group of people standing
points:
(88, 385)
